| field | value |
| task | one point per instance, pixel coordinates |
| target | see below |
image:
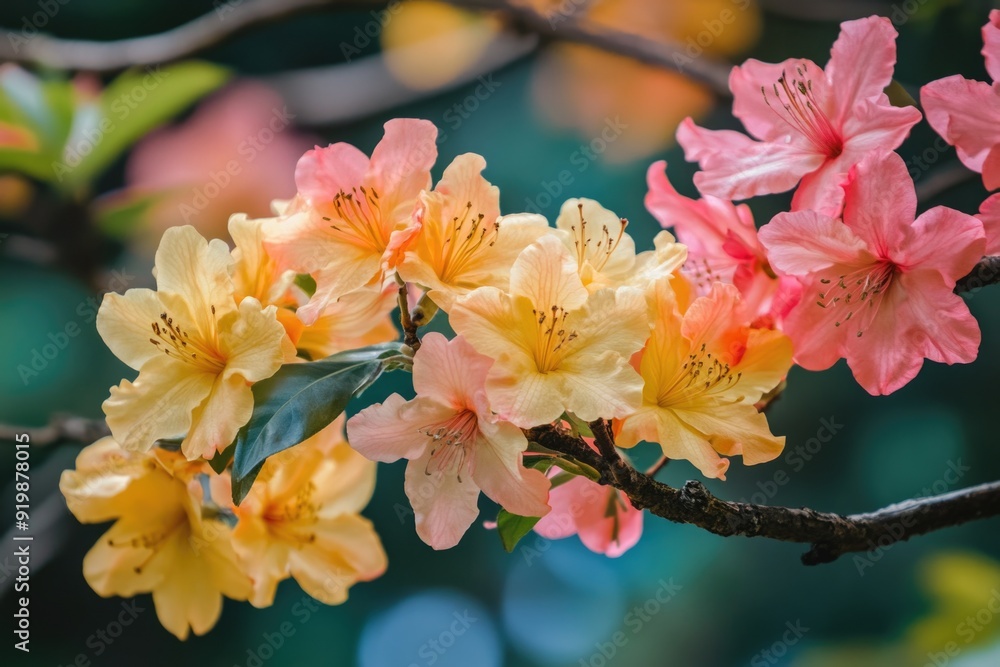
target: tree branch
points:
(225, 22)
(60, 428)
(986, 272)
(830, 535)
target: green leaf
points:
(579, 427)
(222, 459)
(118, 215)
(130, 107)
(512, 527)
(299, 401)
(306, 283)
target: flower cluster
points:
(563, 327)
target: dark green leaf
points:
(222, 459)
(899, 96)
(299, 401)
(512, 527)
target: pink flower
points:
(455, 445)
(812, 124)
(218, 163)
(878, 286)
(722, 244)
(967, 113)
(603, 517)
(989, 215)
(353, 217)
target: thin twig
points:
(830, 535)
(61, 428)
(227, 21)
(660, 464)
(409, 328)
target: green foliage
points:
(62, 132)
(136, 103)
(299, 401)
(512, 527)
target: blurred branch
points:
(833, 12)
(60, 428)
(986, 272)
(830, 535)
(228, 20)
(944, 179)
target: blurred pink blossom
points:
(235, 154)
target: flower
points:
(722, 244)
(811, 124)
(989, 215)
(355, 320)
(603, 517)
(358, 319)
(455, 445)
(463, 242)
(353, 216)
(605, 254)
(160, 541)
(556, 347)
(703, 372)
(236, 152)
(197, 351)
(966, 113)
(301, 519)
(878, 287)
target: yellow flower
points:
(703, 372)
(355, 320)
(196, 350)
(464, 243)
(358, 319)
(556, 347)
(160, 541)
(605, 253)
(301, 519)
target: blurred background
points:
(83, 203)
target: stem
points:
(409, 328)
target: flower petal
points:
(391, 430)
(967, 114)
(215, 422)
(323, 172)
(449, 372)
(159, 404)
(198, 271)
(804, 242)
(734, 166)
(346, 549)
(991, 44)
(252, 345)
(401, 163)
(547, 275)
(944, 240)
(125, 323)
(919, 317)
(444, 507)
(989, 215)
(499, 473)
(880, 202)
(861, 62)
